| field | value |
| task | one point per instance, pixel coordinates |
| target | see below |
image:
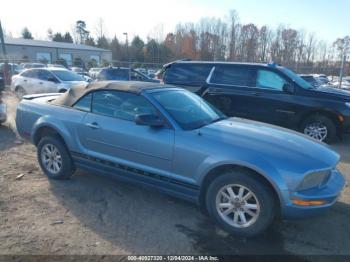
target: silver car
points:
(45, 80)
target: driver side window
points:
(270, 80)
(44, 75)
(122, 105)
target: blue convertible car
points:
(242, 173)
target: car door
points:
(36, 83)
(27, 80)
(45, 81)
(110, 133)
(270, 102)
(229, 89)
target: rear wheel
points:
(241, 204)
(320, 128)
(54, 158)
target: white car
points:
(45, 80)
(93, 72)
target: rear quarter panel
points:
(38, 113)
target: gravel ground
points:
(93, 214)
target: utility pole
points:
(2, 42)
(5, 71)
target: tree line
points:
(217, 39)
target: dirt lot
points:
(91, 214)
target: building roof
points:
(51, 44)
(75, 93)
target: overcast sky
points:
(328, 19)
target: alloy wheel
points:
(237, 205)
(51, 158)
(317, 130)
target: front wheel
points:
(320, 128)
(241, 204)
(54, 158)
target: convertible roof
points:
(75, 93)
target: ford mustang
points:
(242, 173)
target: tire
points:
(320, 128)
(262, 198)
(66, 166)
(20, 91)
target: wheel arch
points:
(47, 130)
(333, 116)
(219, 170)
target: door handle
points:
(25, 80)
(93, 125)
(40, 83)
(256, 94)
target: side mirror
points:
(148, 120)
(52, 79)
(289, 89)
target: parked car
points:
(123, 74)
(45, 80)
(94, 71)
(243, 173)
(32, 65)
(267, 93)
(311, 80)
(2, 112)
(141, 70)
(56, 65)
(14, 68)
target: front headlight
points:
(347, 104)
(315, 179)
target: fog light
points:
(300, 202)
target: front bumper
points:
(328, 193)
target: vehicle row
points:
(263, 92)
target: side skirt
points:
(173, 187)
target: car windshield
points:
(301, 82)
(66, 75)
(189, 110)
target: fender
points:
(266, 170)
(54, 123)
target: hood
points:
(334, 91)
(272, 143)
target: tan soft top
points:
(75, 93)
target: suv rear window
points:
(190, 74)
(233, 75)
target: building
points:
(21, 50)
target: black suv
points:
(266, 93)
